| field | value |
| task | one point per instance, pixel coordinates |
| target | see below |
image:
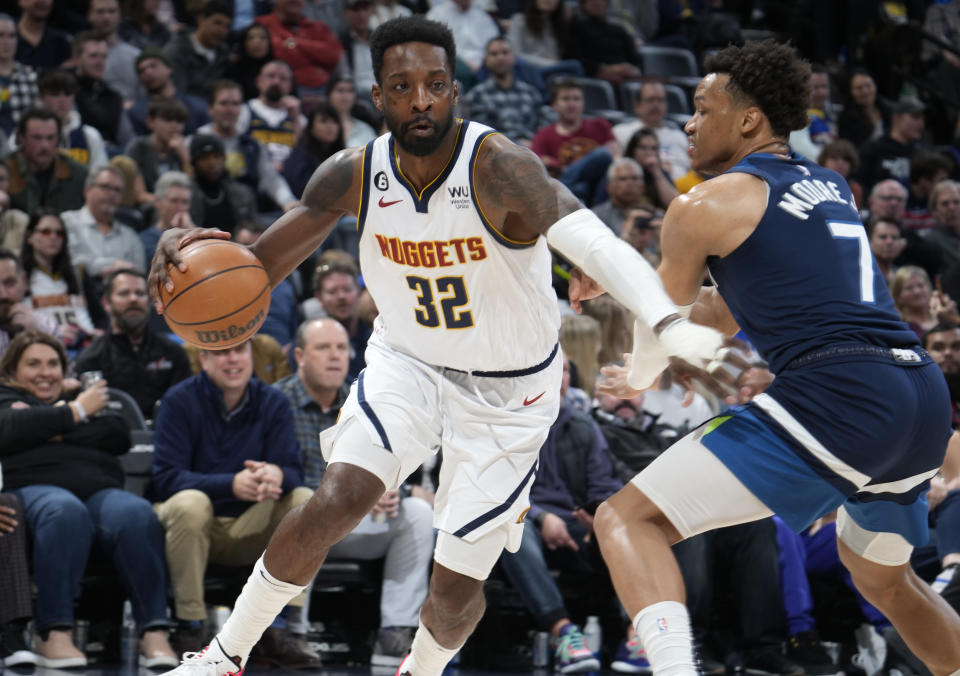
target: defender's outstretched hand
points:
(168, 253)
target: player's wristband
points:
(584, 240)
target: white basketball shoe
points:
(211, 661)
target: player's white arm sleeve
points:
(584, 240)
(650, 357)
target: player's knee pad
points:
(476, 559)
(886, 549)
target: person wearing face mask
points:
(60, 459)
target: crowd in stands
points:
(121, 119)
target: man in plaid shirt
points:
(502, 101)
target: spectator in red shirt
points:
(310, 47)
(576, 149)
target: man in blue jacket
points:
(226, 469)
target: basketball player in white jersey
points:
(464, 352)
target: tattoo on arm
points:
(516, 179)
(330, 184)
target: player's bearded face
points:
(421, 135)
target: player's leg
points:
(685, 491)
(879, 564)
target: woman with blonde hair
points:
(616, 327)
(919, 305)
(580, 340)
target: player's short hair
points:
(55, 82)
(169, 109)
(769, 75)
(411, 29)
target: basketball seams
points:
(208, 278)
(265, 289)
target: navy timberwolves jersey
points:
(805, 278)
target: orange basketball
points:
(223, 297)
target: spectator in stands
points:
(104, 17)
(472, 28)
(822, 127)
(226, 469)
(575, 149)
(39, 176)
(358, 64)
(98, 241)
(321, 138)
(16, 315)
(17, 607)
(509, 105)
(888, 199)
(142, 363)
(644, 147)
(255, 52)
(889, 156)
(19, 80)
(172, 195)
(200, 57)
(650, 107)
(604, 48)
(405, 539)
(270, 364)
(61, 463)
(574, 475)
(886, 243)
(56, 290)
(155, 75)
(540, 35)
(273, 118)
(247, 160)
(38, 44)
(336, 287)
(342, 95)
(165, 148)
(945, 206)
(866, 116)
(943, 344)
(627, 199)
(310, 47)
(927, 169)
(78, 141)
(920, 306)
(98, 104)
(217, 200)
(942, 20)
(842, 157)
(384, 10)
(140, 26)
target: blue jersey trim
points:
(420, 201)
(366, 161)
(518, 373)
(497, 235)
(499, 509)
(365, 405)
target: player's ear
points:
(456, 92)
(751, 119)
(377, 94)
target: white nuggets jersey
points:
(451, 289)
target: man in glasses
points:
(97, 240)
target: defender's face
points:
(713, 133)
(417, 96)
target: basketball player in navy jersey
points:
(857, 418)
(464, 351)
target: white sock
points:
(262, 599)
(427, 657)
(664, 631)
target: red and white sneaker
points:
(211, 661)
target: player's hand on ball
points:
(168, 253)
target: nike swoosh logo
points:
(527, 402)
(387, 204)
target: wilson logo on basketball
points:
(229, 333)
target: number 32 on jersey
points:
(451, 297)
